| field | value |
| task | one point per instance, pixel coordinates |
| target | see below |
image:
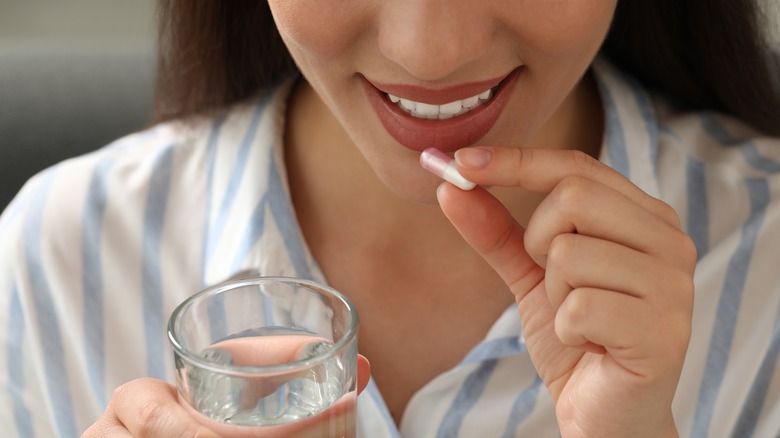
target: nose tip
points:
(431, 39)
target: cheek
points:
(563, 28)
(318, 28)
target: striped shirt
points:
(97, 251)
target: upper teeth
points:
(445, 111)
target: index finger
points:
(268, 350)
(540, 170)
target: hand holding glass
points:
(268, 357)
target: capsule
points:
(439, 164)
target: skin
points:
(592, 262)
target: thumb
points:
(491, 230)
(488, 227)
(363, 373)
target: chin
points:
(416, 187)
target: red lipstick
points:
(446, 135)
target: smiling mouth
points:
(448, 110)
(447, 119)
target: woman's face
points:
(474, 71)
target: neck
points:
(577, 123)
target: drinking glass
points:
(268, 357)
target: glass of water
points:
(268, 356)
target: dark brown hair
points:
(703, 54)
(214, 53)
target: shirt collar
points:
(630, 143)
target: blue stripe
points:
(46, 315)
(154, 220)
(613, 132)
(379, 402)
(728, 307)
(663, 129)
(648, 116)
(211, 153)
(522, 407)
(217, 316)
(698, 206)
(758, 161)
(215, 309)
(286, 222)
(234, 183)
(748, 149)
(495, 349)
(717, 131)
(92, 281)
(255, 228)
(467, 397)
(22, 416)
(748, 418)
(213, 233)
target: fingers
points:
(271, 350)
(584, 196)
(577, 261)
(489, 228)
(611, 298)
(541, 170)
(599, 316)
(636, 335)
(594, 231)
(107, 425)
(363, 373)
(583, 206)
(150, 408)
(267, 350)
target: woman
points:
(556, 298)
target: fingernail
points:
(473, 158)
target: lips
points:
(446, 135)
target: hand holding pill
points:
(598, 266)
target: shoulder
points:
(723, 178)
(117, 189)
(719, 174)
(724, 144)
(44, 230)
(127, 166)
(722, 165)
(120, 169)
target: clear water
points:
(270, 401)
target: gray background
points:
(74, 75)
